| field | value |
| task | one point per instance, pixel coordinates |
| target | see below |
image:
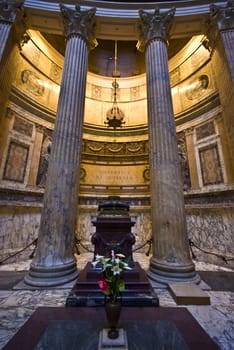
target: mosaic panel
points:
(23, 127)
(16, 162)
(205, 130)
(210, 165)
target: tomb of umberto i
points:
(171, 156)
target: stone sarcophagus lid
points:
(113, 228)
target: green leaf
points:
(121, 285)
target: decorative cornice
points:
(81, 23)
(154, 26)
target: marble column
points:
(224, 18)
(220, 33)
(10, 12)
(171, 260)
(54, 262)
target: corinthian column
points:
(10, 12)
(221, 45)
(171, 259)
(54, 262)
(224, 20)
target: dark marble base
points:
(68, 334)
(138, 290)
(49, 328)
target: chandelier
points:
(114, 117)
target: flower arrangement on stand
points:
(112, 284)
(112, 268)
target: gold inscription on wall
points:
(114, 176)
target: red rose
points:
(103, 285)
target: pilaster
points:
(189, 135)
(11, 27)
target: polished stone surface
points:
(16, 306)
(67, 334)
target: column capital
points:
(154, 26)
(81, 23)
(224, 15)
(40, 128)
(189, 131)
(8, 10)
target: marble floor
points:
(16, 306)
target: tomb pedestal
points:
(113, 229)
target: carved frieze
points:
(32, 82)
(115, 148)
(55, 72)
(197, 87)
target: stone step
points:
(185, 293)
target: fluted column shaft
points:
(5, 29)
(10, 11)
(220, 35)
(223, 19)
(54, 261)
(171, 260)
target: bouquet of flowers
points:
(112, 268)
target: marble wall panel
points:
(16, 162)
(212, 229)
(210, 165)
(19, 227)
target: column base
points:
(51, 276)
(168, 273)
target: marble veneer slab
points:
(175, 325)
(188, 293)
